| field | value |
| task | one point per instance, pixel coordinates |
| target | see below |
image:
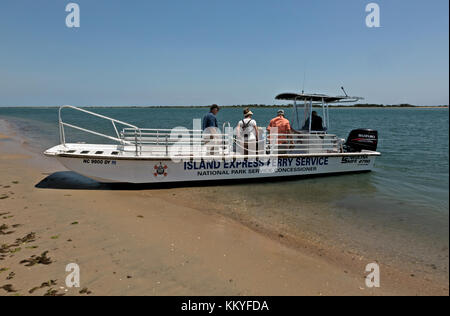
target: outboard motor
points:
(362, 139)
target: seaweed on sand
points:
(3, 229)
(85, 291)
(45, 284)
(52, 292)
(8, 288)
(33, 260)
(27, 239)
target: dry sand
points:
(149, 242)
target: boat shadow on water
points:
(69, 180)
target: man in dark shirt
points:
(210, 129)
(210, 119)
(316, 123)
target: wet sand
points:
(150, 241)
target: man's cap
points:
(280, 112)
(247, 112)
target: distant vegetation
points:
(371, 105)
(359, 105)
(367, 105)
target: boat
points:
(143, 155)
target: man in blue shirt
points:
(210, 120)
(210, 128)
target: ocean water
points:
(398, 214)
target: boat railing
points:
(196, 142)
(165, 141)
(63, 124)
(304, 143)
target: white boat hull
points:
(154, 170)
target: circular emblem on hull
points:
(160, 170)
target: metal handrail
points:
(160, 139)
(113, 121)
(166, 129)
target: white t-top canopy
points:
(315, 98)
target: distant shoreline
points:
(356, 106)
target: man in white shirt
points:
(247, 134)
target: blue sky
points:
(198, 52)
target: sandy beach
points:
(150, 241)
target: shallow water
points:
(398, 213)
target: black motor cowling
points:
(362, 139)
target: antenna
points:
(304, 76)
(344, 91)
(304, 79)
